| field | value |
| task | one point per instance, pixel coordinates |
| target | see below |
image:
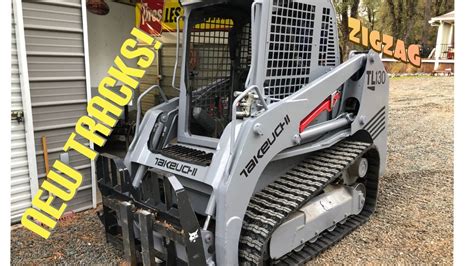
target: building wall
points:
(57, 78)
(20, 192)
(444, 38)
(106, 35)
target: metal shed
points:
(55, 71)
(23, 164)
(52, 63)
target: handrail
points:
(254, 44)
(139, 106)
(173, 84)
(234, 111)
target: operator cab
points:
(219, 52)
(216, 64)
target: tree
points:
(403, 19)
(368, 11)
(345, 9)
(408, 19)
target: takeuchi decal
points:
(103, 112)
(266, 145)
(383, 43)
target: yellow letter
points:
(142, 36)
(414, 55)
(400, 52)
(46, 205)
(102, 115)
(146, 55)
(79, 147)
(354, 24)
(92, 127)
(157, 45)
(375, 42)
(63, 181)
(365, 37)
(387, 45)
(114, 97)
(42, 218)
(124, 73)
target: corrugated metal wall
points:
(54, 40)
(20, 179)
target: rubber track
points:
(270, 207)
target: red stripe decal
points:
(324, 106)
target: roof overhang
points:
(446, 18)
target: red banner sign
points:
(149, 14)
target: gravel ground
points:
(413, 223)
(78, 239)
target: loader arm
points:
(234, 193)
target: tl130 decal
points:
(375, 78)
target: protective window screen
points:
(218, 62)
(327, 47)
(245, 49)
(290, 47)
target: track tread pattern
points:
(269, 207)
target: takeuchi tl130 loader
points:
(271, 153)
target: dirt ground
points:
(413, 223)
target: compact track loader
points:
(271, 153)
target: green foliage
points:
(345, 9)
(404, 19)
(408, 19)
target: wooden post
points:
(45, 154)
